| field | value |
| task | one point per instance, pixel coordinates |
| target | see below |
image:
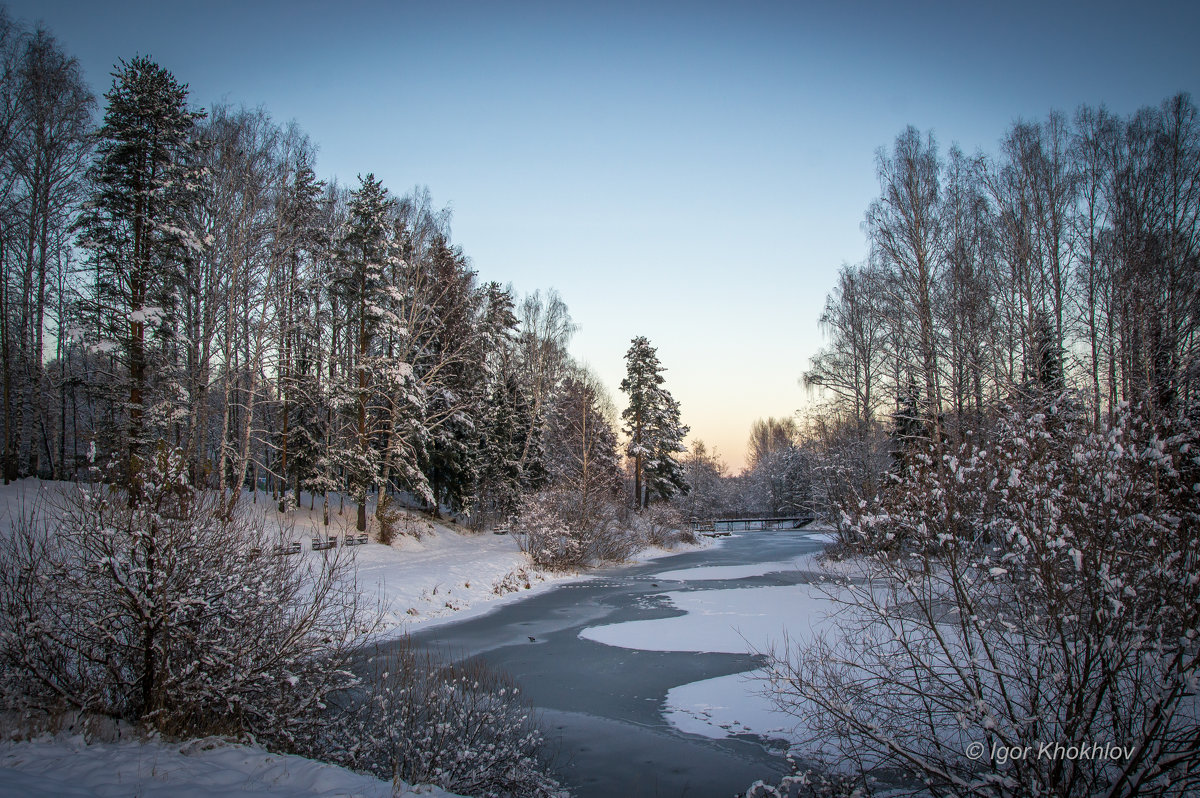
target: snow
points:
(67, 767)
(719, 572)
(728, 705)
(450, 573)
(447, 575)
(729, 621)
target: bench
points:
(318, 543)
(284, 549)
(355, 540)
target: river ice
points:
(750, 619)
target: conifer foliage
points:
(133, 232)
(653, 426)
(366, 254)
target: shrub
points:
(559, 530)
(463, 727)
(1040, 588)
(171, 610)
(663, 526)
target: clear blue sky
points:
(692, 172)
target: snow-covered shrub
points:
(1038, 589)
(461, 726)
(562, 529)
(172, 610)
(810, 784)
(663, 526)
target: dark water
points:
(602, 705)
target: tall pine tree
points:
(135, 236)
(653, 426)
(366, 252)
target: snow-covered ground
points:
(449, 574)
(67, 767)
(449, 571)
(734, 620)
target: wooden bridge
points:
(719, 527)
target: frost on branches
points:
(461, 726)
(1039, 587)
(171, 611)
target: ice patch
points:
(723, 621)
(728, 705)
(717, 572)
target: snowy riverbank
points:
(446, 574)
(65, 766)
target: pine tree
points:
(653, 426)
(133, 231)
(366, 253)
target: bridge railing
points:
(757, 522)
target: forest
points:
(1067, 264)
(181, 278)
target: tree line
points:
(1067, 260)
(1009, 457)
(183, 279)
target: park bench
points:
(284, 549)
(319, 543)
(355, 540)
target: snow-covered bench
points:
(355, 540)
(319, 543)
(287, 548)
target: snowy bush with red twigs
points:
(1038, 585)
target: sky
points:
(695, 173)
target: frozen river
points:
(640, 672)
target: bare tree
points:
(904, 227)
(546, 330)
(851, 368)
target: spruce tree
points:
(909, 426)
(581, 447)
(499, 455)
(299, 237)
(664, 473)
